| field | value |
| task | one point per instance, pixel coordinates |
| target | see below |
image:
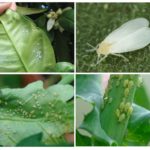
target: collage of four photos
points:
(74, 74)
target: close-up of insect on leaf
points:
(28, 45)
(107, 115)
(38, 110)
(126, 35)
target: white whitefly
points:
(131, 36)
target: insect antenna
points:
(92, 48)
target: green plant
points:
(114, 117)
(27, 45)
(43, 115)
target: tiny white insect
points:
(131, 36)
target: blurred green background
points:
(17, 81)
(94, 22)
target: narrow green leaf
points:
(118, 105)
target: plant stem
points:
(117, 101)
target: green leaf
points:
(89, 90)
(34, 140)
(24, 47)
(141, 98)
(66, 20)
(138, 127)
(64, 67)
(66, 95)
(82, 140)
(29, 11)
(66, 79)
(32, 110)
(118, 98)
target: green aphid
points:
(105, 100)
(125, 83)
(122, 106)
(130, 110)
(117, 113)
(126, 92)
(122, 117)
(130, 84)
(127, 106)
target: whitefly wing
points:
(133, 41)
(126, 29)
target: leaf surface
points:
(89, 90)
(32, 110)
(23, 46)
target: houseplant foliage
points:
(43, 115)
(26, 45)
(114, 118)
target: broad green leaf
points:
(32, 110)
(23, 46)
(66, 20)
(29, 11)
(138, 127)
(89, 90)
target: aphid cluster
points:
(124, 111)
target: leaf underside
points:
(32, 110)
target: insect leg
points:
(100, 59)
(119, 55)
